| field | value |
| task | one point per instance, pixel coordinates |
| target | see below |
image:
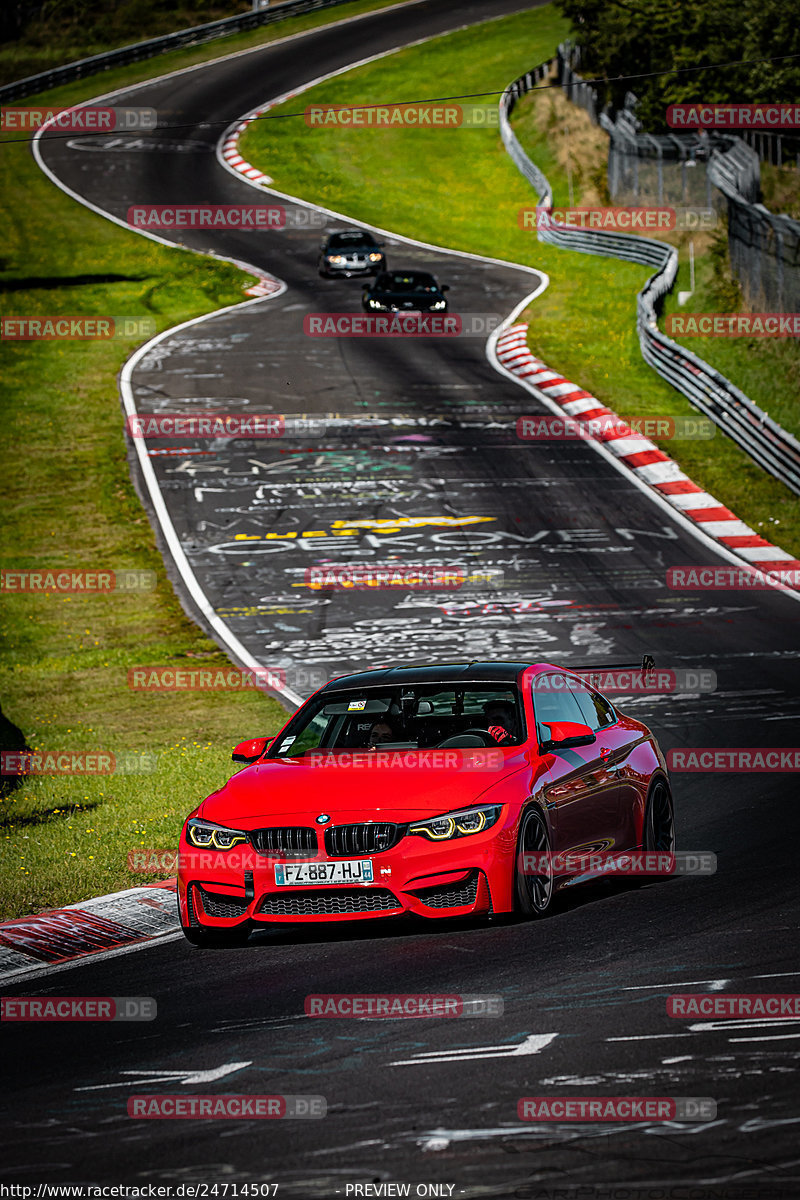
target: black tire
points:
(533, 892)
(209, 938)
(658, 830)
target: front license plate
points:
(352, 870)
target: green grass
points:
(439, 185)
(69, 502)
(57, 40)
(459, 188)
(66, 32)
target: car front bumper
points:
(351, 269)
(472, 875)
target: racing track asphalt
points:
(564, 526)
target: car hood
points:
(298, 791)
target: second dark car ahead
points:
(404, 291)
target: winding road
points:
(419, 463)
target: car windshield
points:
(408, 718)
(395, 281)
(349, 241)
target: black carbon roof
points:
(417, 673)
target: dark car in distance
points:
(404, 291)
(351, 252)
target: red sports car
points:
(435, 790)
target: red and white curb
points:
(266, 286)
(228, 149)
(641, 456)
(117, 922)
(230, 152)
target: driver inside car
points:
(501, 721)
(381, 732)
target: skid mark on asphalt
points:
(185, 1078)
(441, 1139)
(533, 1044)
(725, 1026)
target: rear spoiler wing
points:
(648, 663)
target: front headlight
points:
(438, 305)
(458, 824)
(206, 836)
(375, 257)
(375, 304)
(336, 258)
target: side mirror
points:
(445, 287)
(564, 734)
(250, 752)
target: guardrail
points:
(764, 247)
(139, 51)
(715, 396)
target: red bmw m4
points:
(450, 790)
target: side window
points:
(597, 712)
(554, 700)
